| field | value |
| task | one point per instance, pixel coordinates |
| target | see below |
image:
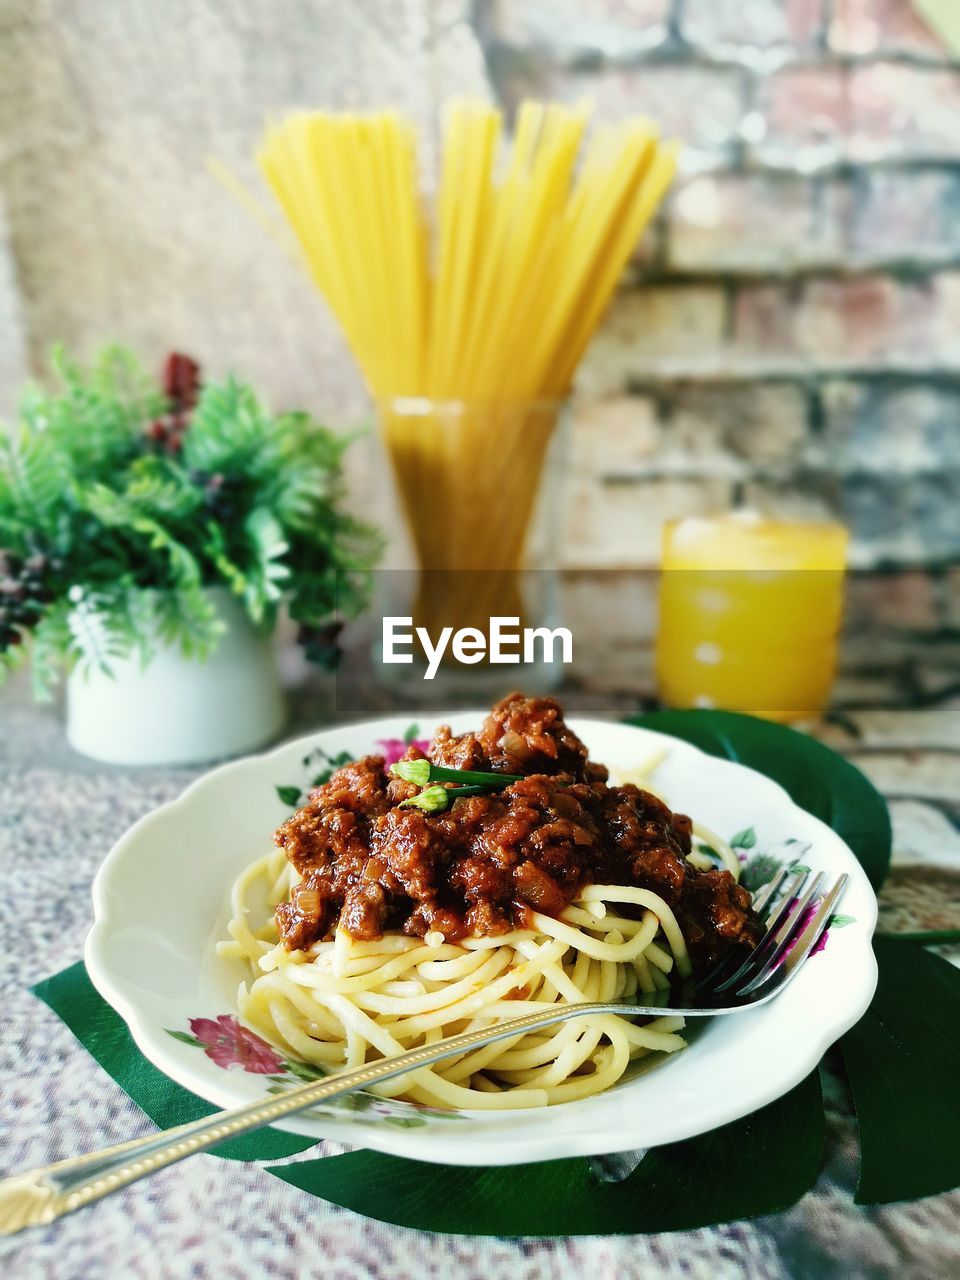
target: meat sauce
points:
(480, 868)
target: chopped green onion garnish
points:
(436, 799)
(415, 771)
(432, 800)
(422, 772)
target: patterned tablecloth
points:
(213, 1218)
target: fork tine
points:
(763, 899)
(784, 936)
(774, 922)
(770, 904)
(808, 939)
(769, 891)
(801, 947)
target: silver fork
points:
(792, 927)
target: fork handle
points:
(43, 1195)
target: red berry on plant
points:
(181, 380)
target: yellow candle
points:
(750, 612)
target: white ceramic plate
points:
(160, 903)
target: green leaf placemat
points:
(816, 778)
(760, 1164)
(903, 1060)
(100, 1029)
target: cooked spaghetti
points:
(401, 917)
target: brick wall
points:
(791, 330)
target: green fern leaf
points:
(110, 508)
(188, 618)
(100, 629)
(36, 480)
(118, 376)
(269, 571)
(228, 430)
(297, 494)
(215, 548)
(184, 569)
(97, 419)
(156, 489)
(51, 647)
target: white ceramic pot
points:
(179, 710)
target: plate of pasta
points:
(383, 885)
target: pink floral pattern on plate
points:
(392, 749)
(228, 1043)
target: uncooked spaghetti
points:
(526, 257)
(468, 314)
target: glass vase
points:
(477, 497)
